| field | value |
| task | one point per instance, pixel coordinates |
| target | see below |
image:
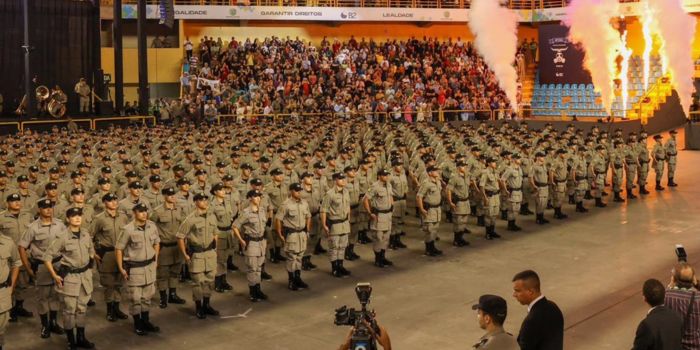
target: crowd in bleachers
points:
(402, 80)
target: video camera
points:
(362, 338)
(681, 254)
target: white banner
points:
(214, 84)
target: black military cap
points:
(22, 178)
(82, 165)
(3, 173)
(296, 187)
(276, 171)
(189, 151)
(432, 168)
(22, 154)
(65, 151)
(305, 175)
(207, 151)
(200, 172)
(235, 148)
(264, 160)
(45, 203)
(135, 185)
(227, 177)
(201, 196)
(246, 166)
(599, 147)
(33, 169)
(338, 176)
(51, 186)
(256, 182)
(349, 168)
(396, 162)
(13, 197)
(288, 161)
(140, 207)
(253, 193)
(319, 165)
(76, 191)
(102, 181)
(197, 161)
(539, 154)
(561, 151)
(217, 187)
(461, 163)
(492, 305)
(132, 174)
(71, 212)
(74, 174)
(10, 164)
(220, 165)
(183, 181)
(178, 167)
(43, 160)
(658, 137)
(383, 172)
(154, 165)
(168, 191)
(154, 179)
(126, 161)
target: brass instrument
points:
(42, 93)
(56, 108)
(59, 96)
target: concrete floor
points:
(591, 265)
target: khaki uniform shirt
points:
(431, 192)
(458, 186)
(336, 205)
(200, 231)
(138, 244)
(498, 340)
(9, 259)
(381, 203)
(76, 251)
(13, 226)
(293, 214)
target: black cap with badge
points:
(140, 208)
(296, 187)
(71, 212)
(14, 197)
(201, 196)
(493, 306)
(168, 191)
(44, 204)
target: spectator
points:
(662, 327)
(682, 297)
(188, 47)
(543, 328)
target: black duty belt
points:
(7, 283)
(526, 175)
(514, 188)
(253, 239)
(224, 228)
(135, 264)
(330, 222)
(355, 206)
(200, 249)
(581, 178)
(314, 214)
(168, 244)
(617, 166)
(457, 199)
(102, 250)
(561, 181)
(36, 262)
(671, 154)
(661, 158)
(65, 270)
(631, 162)
(288, 230)
(541, 184)
(491, 193)
(643, 161)
(601, 172)
(399, 198)
(383, 211)
(427, 206)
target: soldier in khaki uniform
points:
(198, 235)
(560, 176)
(277, 192)
(13, 223)
(632, 165)
(292, 224)
(429, 202)
(378, 203)
(74, 278)
(136, 251)
(672, 157)
(249, 228)
(104, 230)
(168, 218)
(658, 154)
(599, 169)
(399, 188)
(77, 201)
(490, 185)
(492, 312)
(312, 195)
(617, 162)
(643, 157)
(153, 195)
(512, 180)
(353, 187)
(225, 211)
(32, 248)
(579, 173)
(335, 218)
(458, 198)
(9, 270)
(539, 180)
(132, 199)
(234, 196)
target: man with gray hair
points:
(682, 296)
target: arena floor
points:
(591, 265)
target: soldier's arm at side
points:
(182, 232)
(121, 243)
(23, 244)
(15, 263)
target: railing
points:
(514, 4)
(90, 123)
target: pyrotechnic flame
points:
(625, 52)
(648, 42)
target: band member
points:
(83, 90)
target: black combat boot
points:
(273, 257)
(353, 255)
(259, 292)
(297, 279)
(504, 215)
(199, 310)
(659, 187)
(230, 265)
(264, 275)
(512, 226)
(630, 194)
(206, 306)
(291, 282)
(559, 215)
(580, 208)
(319, 249)
(588, 195)
(480, 220)
(252, 293)
(525, 209)
(81, 341)
(378, 260)
(392, 242)
(428, 250)
(110, 312)
(70, 335)
(386, 261)
(306, 264)
(493, 232)
(541, 220)
(398, 243)
(118, 313)
(599, 203)
(487, 235)
(459, 240)
(335, 269)
(617, 197)
(571, 199)
(218, 287)
(643, 189)
(53, 323)
(163, 299)
(173, 298)
(138, 325)
(45, 329)
(20, 311)
(278, 253)
(146, 322)
(225, 284)
(436, 251)
(671, 183)
(342, 268)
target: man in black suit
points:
(662, 329)
(543, 328)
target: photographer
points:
(382, 338)
(682, 296)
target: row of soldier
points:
(276, 193)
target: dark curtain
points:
(62, 36)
